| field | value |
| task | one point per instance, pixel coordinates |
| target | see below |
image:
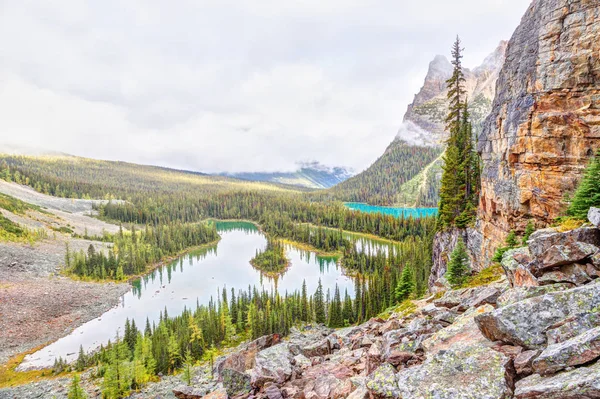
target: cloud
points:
(227, 85)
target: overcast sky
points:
(227, 85)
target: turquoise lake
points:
(396, 212)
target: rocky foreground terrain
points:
(535, 333)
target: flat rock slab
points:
(525, 323)
(573, 352)
(463, 371)
(382, 382)
(580, 383)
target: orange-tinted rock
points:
(545, 122)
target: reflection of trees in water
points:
(197, 255)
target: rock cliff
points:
(545, 119)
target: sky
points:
(227, 85)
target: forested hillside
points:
(381, 183)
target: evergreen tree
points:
(81, 362)
(75, 390)
(458, 265)
(406, 286)
(319, 304)
(511, 240)
(336, 318)
(529, 229)
(588, 192)
(461, 171)
(187, 367)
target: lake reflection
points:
(192, 279)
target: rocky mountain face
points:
(429, 107)
(542, 130)
(545, 121)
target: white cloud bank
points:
(227, 85)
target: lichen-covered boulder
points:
(572, 327)
(559, 255)
(525, 323)
(235, 383)
(463, 371)
(579, 383)
(273, 364)
(382, 382)
(541, 242)
(518, 294)
(573, 352)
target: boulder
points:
(466, 298)
(576, 351)
(359, 393)
(187, 392)
(571, 252)
(517, 294)
(517, 264)
(572, 327)
(463, 371)
(541, 241)
(235, 383)
(525, 323)
(243, 358)
(573, 273)
(272, 392)
(524, 362)
(319, 348)
(594, 216)
(463, 329)
(382, 382)
(579, 383)
(273, 364)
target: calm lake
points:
(396, 212)
(195, 278)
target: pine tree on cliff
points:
(458, 265)
(588, 192)
(460, 177)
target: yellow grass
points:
(10, 377)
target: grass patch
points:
(404, 308)
(485, 277)
(10, 377)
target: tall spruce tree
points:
(460, 177)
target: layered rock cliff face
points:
(429, 107)
(545, 121)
